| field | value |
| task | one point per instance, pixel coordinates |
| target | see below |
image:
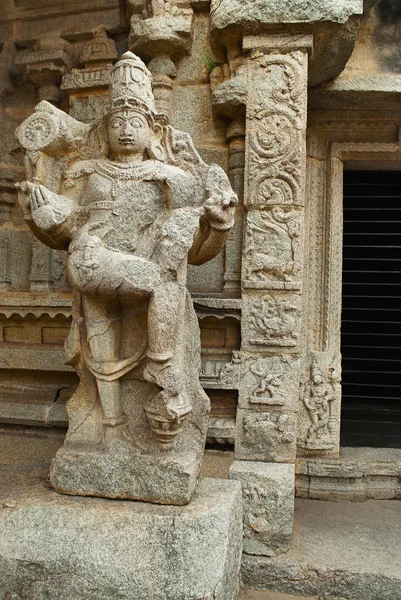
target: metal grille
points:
(371, 314)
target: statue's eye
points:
(116, 124)
(136, 123)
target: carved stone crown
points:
(131, 85)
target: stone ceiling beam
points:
(333, 23)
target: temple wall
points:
(49, 51)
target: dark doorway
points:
(371, 313)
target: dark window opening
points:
(371, 309)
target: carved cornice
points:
(25, 304)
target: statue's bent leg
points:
(170, 405)
(165, 310)
(95, 270)
(103, 335)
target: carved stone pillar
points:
(229, 91)
(45, 66)
(87, 88)
(5, 258)
(235, 136)
(162, 30)
(271, 287)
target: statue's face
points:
(128, 132)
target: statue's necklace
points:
(133, 171)
(116, 172)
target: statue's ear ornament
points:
(156, 151)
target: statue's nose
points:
(126, 128)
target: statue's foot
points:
(114, 429)
(114, 421)
(113, 433)
(163, 374)
(166, 415)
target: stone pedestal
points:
(268, 497)
(123, 472)
(63, 547)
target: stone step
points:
(247, 594)
(339, 551)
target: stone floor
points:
(340, 550)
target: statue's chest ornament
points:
(120, 175)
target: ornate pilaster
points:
(272, 257)
(48, 269)
(235, 135)
(272, 265)
(229, 91)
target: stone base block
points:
(76, 548)
(268, 499)
(123, 472)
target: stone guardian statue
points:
(131, 201)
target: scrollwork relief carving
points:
(276, 120)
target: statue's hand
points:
(48, 209)
(220, 209)
(41, 207)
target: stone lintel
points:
(248, 12)
(283, 42)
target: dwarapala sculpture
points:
(132, 202)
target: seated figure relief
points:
(132, 203)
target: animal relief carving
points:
(265, 435)
(272, 249)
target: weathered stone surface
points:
(238, 12)
(319, 415)
(123, 472)
(358, 474)
(268, 381)
(54, 546)
(269, 436)
(268, 497)
(273, 253)
(271, 321)
(339, 551)
(134, 207)
(249, 594)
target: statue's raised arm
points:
(132, 202)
